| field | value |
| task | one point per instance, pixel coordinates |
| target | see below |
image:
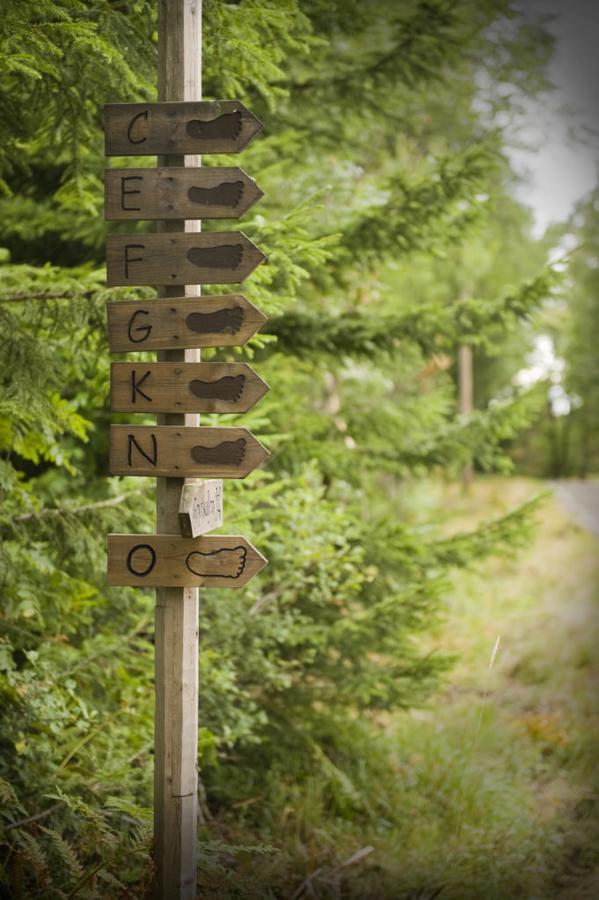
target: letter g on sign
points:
(134, 329)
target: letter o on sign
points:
(141, 559)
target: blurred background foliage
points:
(393, 238)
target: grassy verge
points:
(491, 792)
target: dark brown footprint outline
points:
(223, 321)
(229, 388)
(228, 453)
(229, 193)
(227, 256)
(210, 565)
(225, 127)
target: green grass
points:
(490, 792)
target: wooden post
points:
(177, 609)
(466, 397)
(180, 125)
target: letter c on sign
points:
(133, 140)
(142, 560)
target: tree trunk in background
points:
(465, 399)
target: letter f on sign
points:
(132, 259)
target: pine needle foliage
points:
(433, 328)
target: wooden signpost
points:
(169, 193)
(222, 561)
(221, 257)
(190, 387)
(151, 129)
(178, 451)
(228, 320)
(181, 557)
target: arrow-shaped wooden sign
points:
(180, 322)
(221, 257)
(184, 451)
(168, 560)
(211, 387)
(152, 129)
(176, 193)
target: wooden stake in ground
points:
(177, 609)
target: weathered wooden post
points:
(177, 609)
(179, 258)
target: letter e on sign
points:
(125, 191)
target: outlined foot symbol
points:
(229, 388)
(227, 256)
(229, 453)
(225, 127)
(229, 193)
(223, 321)
(225, 563)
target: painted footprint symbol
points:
(225, 563)
(227, 256)
(229, 388)
(228, 193)
(223, 321)
(228, 453)
(225, 127)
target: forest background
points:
(393, 238)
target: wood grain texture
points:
(146, 560)
(179, 322)
(184, 452)
(152, 129)
(222, 257)
(201, 507)
(177, 610)
(178, 193)
(184, 387)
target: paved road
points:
(581, 500)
